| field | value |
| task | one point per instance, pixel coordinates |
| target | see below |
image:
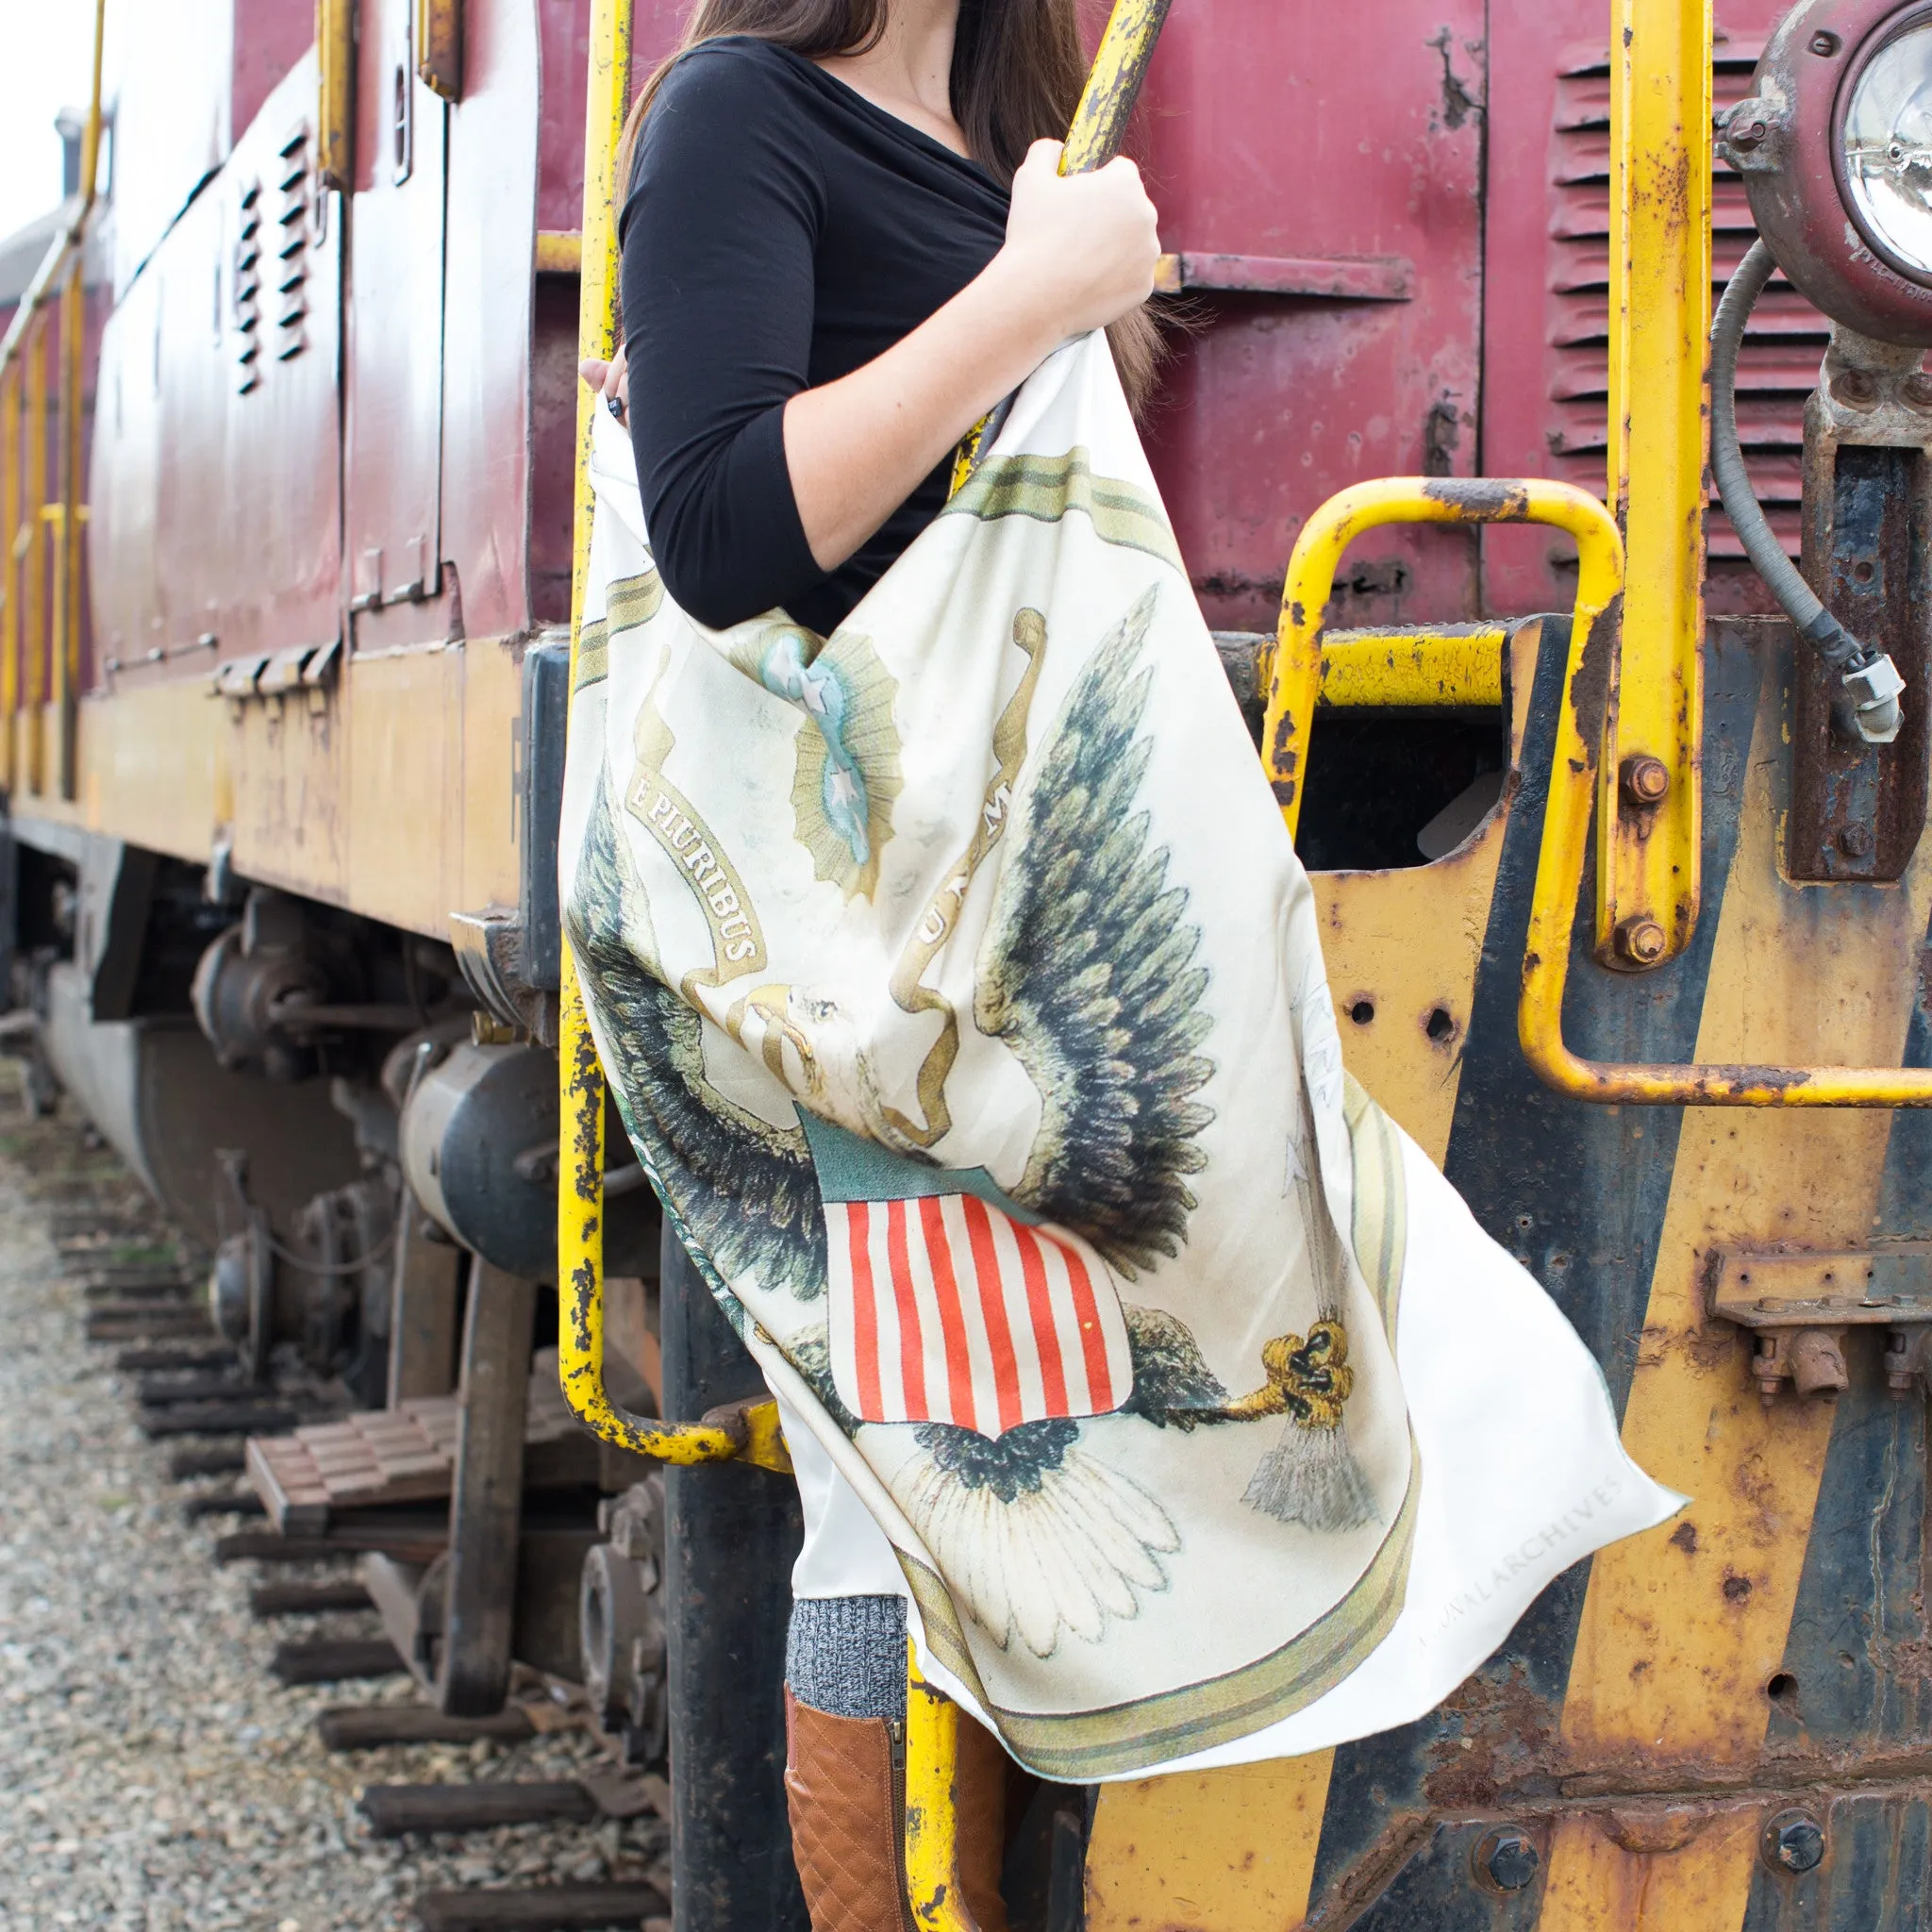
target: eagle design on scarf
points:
(1088, 974)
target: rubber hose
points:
(1836, 644)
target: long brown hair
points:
(1018, 70)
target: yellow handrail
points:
(932, 1806)
(1587, 687)
(1546, 967)
(1296, 675)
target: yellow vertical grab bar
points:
(65, 643)
(1649, 853)
(749, 1435)
(10, 573)
(30, 547)
(1546, 964)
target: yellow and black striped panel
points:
(1653, 1708)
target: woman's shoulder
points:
(734, 73)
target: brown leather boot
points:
(847, 1801)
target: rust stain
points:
(1590, 690)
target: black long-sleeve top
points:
(781, 231)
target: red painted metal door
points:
(392, 476)
(1344, 147)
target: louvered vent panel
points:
(1786, 340)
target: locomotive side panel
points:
(215, 529)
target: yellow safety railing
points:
(743, 1434)
(1407, 666)
(1546, 966)
(40, 553)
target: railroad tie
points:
(365, 1726)
(543, 1908)
(297, 1597)
(335, 1660)
(393, 1809)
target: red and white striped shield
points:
(949, 1304)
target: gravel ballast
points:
(153, 1773)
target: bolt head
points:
(1643, 941)
(1645, 780)
(1854, 389)
(1507, 1859)
(1855, 841)
(1794, 1842)
(1917, 391)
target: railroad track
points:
(392, 1814)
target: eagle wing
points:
(1088, 974)
(1172, 1383)
(752, 1200)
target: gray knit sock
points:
(846, 1654)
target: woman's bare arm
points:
(1080, 254)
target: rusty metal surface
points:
(1857, 810)
(1254, 149)
(392, 462)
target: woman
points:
(964, 995)
(845, 239)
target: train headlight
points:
(1884, 149)
(1835, 146)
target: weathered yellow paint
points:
(1648, 867)
(288, 822)
(396, 796)
(1113, 84)
(1386, 670)
(1683, 1626)
(932, 1836)
(30, 546)
(1407, 944)
(440, 46)
(1219, 1851)
(9, 562)
(404, 779)
(560, 251)
(1596, 1885)
(335, 106)
(155, 770)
